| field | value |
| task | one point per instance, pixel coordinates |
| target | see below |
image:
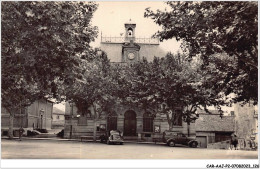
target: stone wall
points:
(246, 121)
(219, 145)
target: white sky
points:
(111, 16)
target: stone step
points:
(130, 138)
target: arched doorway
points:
(130, 123)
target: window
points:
(58, 117)
(112, 121)
(177, 118)
(148, 122)
(232, 113)
(130, 32)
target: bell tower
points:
(130, 49)
(130, 31)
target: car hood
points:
(191, 138)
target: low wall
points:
(219, 145)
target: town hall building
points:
(132, 121)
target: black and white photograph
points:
(129, 84)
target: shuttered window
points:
(147, 122)
(112, 121)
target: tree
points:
(95, 87)
(42, 43)
(171, 85)
(208, 28)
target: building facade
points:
(37, 115)
(132, 121)
(211, 128)
(241, 120)
(246, 118)
(129, 48)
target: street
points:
(53, 149)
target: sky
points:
(110, 18)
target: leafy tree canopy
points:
(171, 85)
(42, 43)
(42, 47)
(207, 28)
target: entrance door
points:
(112, 122)
(202, 140)
(130, 123)
(41, 122)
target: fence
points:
(127, 39)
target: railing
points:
(147, 40)
(127, 39)
(119, 64)
(112, 39)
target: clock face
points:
(131, 56)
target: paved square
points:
(53, 149)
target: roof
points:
(214, 123)
(201, 111)
(57, 111)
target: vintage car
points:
(112, 137)
(172, 138)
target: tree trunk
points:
(169, 121)
(95, 124)
(170, 125)
(188, 129)
(11, 125)
(95, 130)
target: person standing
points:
(231, 141)
(235, 142)
(21, 131)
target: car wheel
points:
(194, 144)
(171, 143)
(121, 143)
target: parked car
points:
(33, 133)
(61, 133)
(172, 138)
(112, 137)
(42, 130)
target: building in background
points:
(37, 115)
(128, 48)
(58, 118)
(132, 121)
(241, 120)
(246, 118)
(211, 128)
